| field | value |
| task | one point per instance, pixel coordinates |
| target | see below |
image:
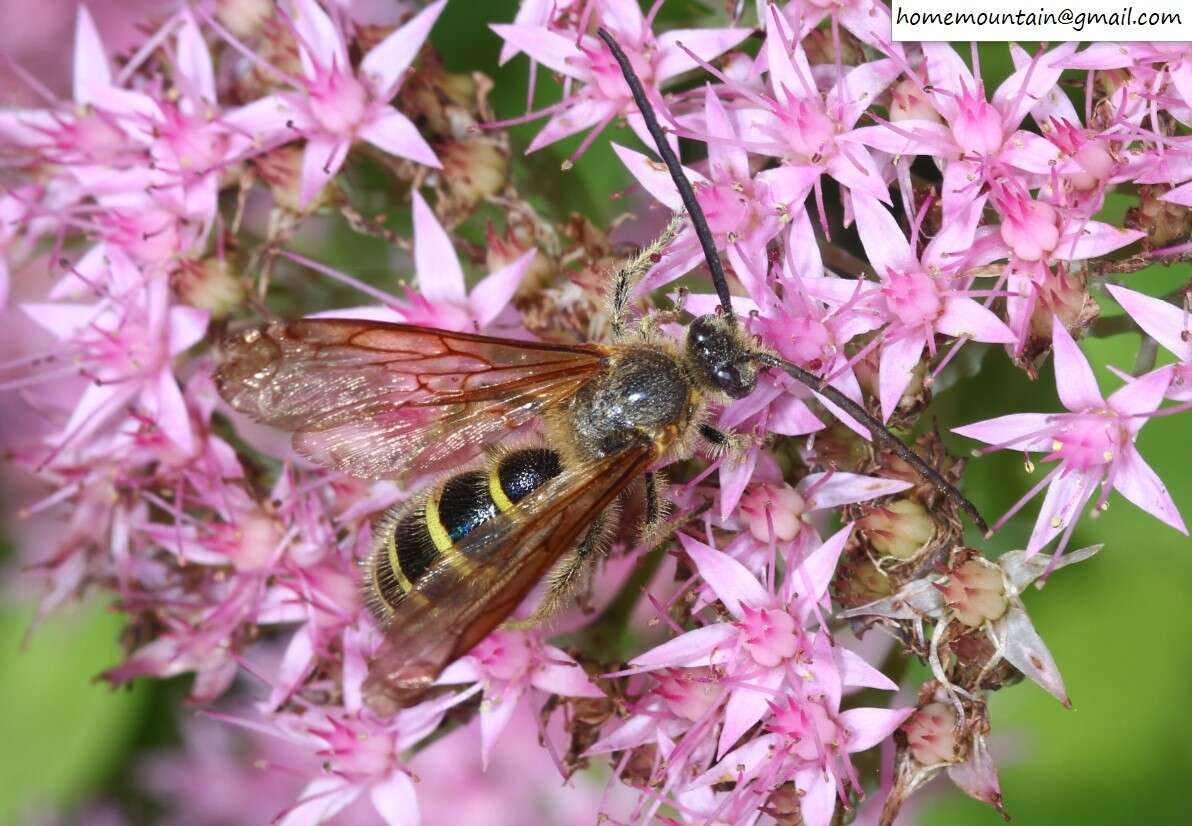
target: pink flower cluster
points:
(170, 194)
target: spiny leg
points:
(633, 270)
(653, 528)
(567, 576)
(652, 505)
(699, 223)
(715, 437)
(721, 442)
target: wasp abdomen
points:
(464, 502)
(410, 539)
(522, 472)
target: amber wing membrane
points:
(376, 399)
(452, 609)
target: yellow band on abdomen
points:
(442, 539)
(503, 503)
(395, 565)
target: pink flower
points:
(1166, 324)
(1093, 443)
(783, 513)
(124, 344)
(766, 646)
(82, 136)
(360, 757)
(919, 297)
(812, 132)
(505, 665)
(1035, 230)
(441, 298)
(336, 105)
(980, 138)
(809, 744)
(677, 716)
(1040, 238)
(869, 20)
(744, 211)
(583, 58)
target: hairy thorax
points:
(643, 395)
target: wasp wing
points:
(454, 606)
(376, 399)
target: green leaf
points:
(64, 737)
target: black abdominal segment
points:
(415, 550)
(464, 503)
(524, 471)
(411, 539)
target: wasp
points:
(384, 400)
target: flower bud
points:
(914, 398)
(243, 18)
(209, 284)
(784, 806)
(445, 104)
(931, 449)
(639, 768)
(504, 249)
(473, 169)
(1030, 228)
(1063, 294)
(1109, 97)
(838, 447)
(821, 46)
(931, 735)
(1162, 221)
(901, 528)
(276, 46)
(975, 592)
(369, 35)
(858, 579)
(282, 170)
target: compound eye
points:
(731, 380)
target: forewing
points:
(376, 399)
(452, 610)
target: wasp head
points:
(720, 357)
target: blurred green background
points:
(1119, 626)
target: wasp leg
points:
(633, 270)
(653, 527)
(722, 442)
(567, 577)
(672, 316)
(652, 506)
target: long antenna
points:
(880, 433)
(878, 430)
(694, 211)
